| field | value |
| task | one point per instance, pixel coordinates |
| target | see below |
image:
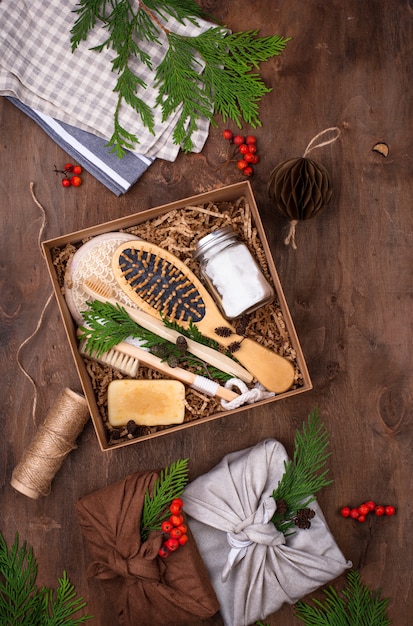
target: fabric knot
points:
(250, 532)
(143, 565)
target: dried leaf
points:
(381, 148)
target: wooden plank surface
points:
(348, 286)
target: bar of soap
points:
(146, 402)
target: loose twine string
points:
(291, 233)
(57, 434)
(39, 323)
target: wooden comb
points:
(161, 284)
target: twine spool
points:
(54, 440)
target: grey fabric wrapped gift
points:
(253, 567)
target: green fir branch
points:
(179, 84)
(19, 597)
(23, 603)
(181, 10)
(106, 326)
(170, 484)
(59, 606)
(304, 475)
(89, 13)
(357, 606)
(229, 59)
(205, 75)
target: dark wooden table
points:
(348, 286)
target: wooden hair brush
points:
(161, 284)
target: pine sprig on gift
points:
(304, 475)
(22, 602)
(357, 606)
(207, 74)
(169, 485)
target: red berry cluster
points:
(360, 513)
(72, 180)
(175, 528)
(246, 147)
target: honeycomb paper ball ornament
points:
(299, 189)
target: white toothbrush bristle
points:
(126, 364)
(123, 362)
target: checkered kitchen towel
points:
(38, 67)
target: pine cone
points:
(160, 350)
(241, 325)
(303, 517)
(181, 343)
(299, 188)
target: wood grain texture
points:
(348, 286)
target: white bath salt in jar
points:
(231, 273)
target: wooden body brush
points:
(160, 283)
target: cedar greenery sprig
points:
(108, 324)
(358, 606)
(23, 603)
(207, 74)
(303, 475)
(169, 485)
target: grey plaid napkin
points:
(91, 152)
(38, 67)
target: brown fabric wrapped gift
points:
(144, 588)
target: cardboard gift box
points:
(176, 227)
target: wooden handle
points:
(273, 371)
(211, 356)
(177, 373)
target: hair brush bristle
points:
(162, 285)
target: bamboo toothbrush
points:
(125, 363)
(127, 355)
(103, 292)
(160, 283)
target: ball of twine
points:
(52, 443)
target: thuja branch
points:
(204, 75)
(357, 604)
(304, 475)
(170, 484)
(23, 602)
